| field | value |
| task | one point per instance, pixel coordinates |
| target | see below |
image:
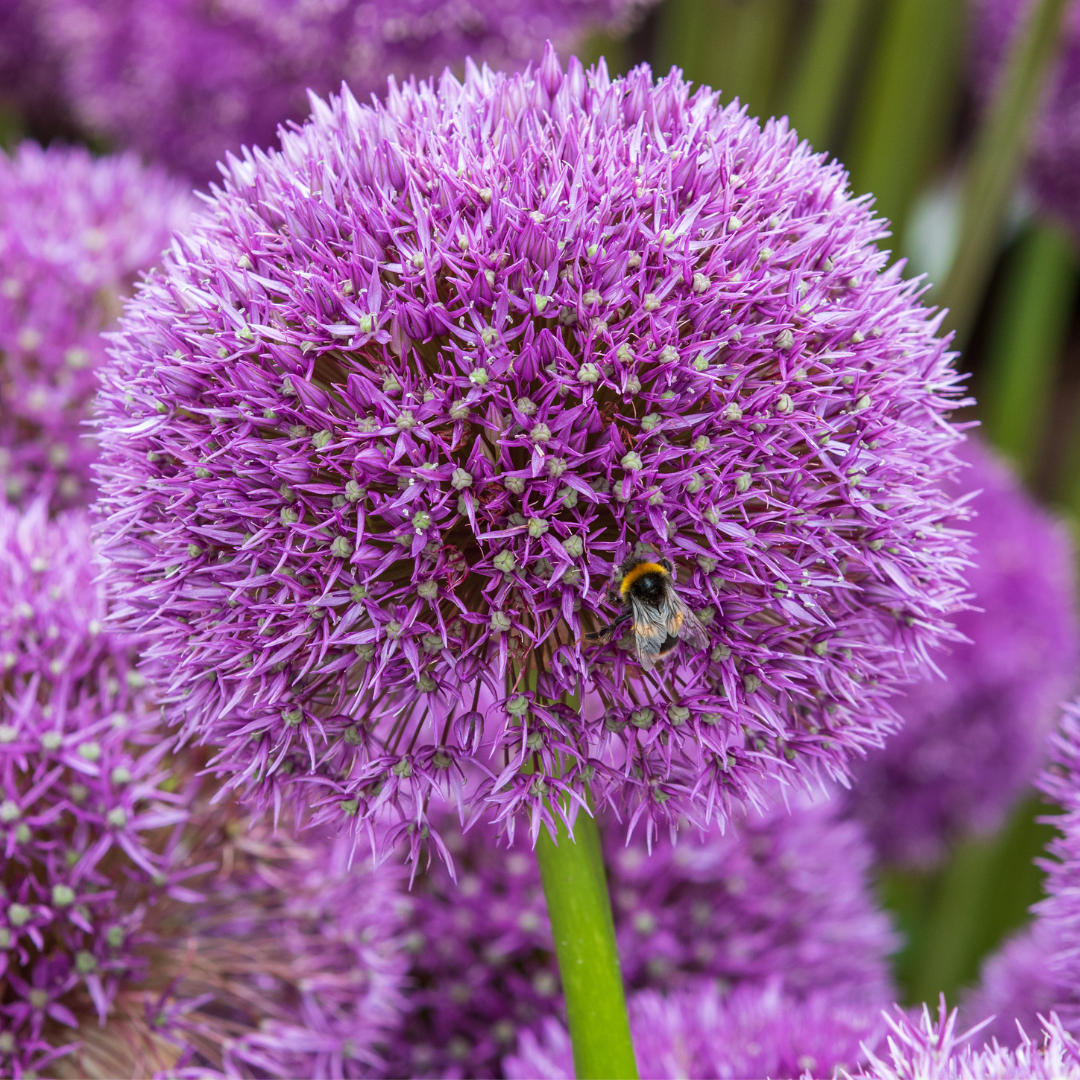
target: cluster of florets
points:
(973, 739)
(85, 813)
(385, 424)
(1054, 155)
(920, 1048)
(701, 1032)
(784, 893)
(781, 892)
(290, 963)
(184, 81)
(74, 232)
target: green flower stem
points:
(1028, 325)
(909, 103)
(575, 887)
(813, 100)
(995, 163)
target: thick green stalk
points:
(575, 887)
(1029, 322)
(909, 103)
(995, 163)
(814, 97)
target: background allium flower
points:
(699, 1033)
(781, 894)
(784, 893)
(973, 740)
(185, 80)
(74, 232)
(1054, 158)
(84, 812)
(289, 964)
(382, 429)
(919, 1048)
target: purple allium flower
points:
(781, 892)
(185, 80)
(786, 893)
(972, 740)
(1054, 154)
(919, 1049)
(382, 429)
(700, 1033)
(84, 809)
(74, 232)
(290, 965)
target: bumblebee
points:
(659, 619)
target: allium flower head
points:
(184, 80)
(973, 739)
(920, 1049)
(389, 418)
(1054, 154)
(74, 232)
(289, 964)
(700, 1033)
(782, 894)
(84, 813)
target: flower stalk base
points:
(575, 887)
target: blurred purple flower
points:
(972, 740)
(183, 81)
(919, 1049)
(74, 232)
(781, 894)
(89, 826)
(292, 965)
(389, 419)
(700, 1033)
(778, 893)
(1054, 155)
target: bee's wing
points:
(681, 622)
(650, 632)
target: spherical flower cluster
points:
(85, 816)
(784, 893)
(183, 81)
(74, 232)
(699, 1033)
(1054, 154)
(920, 1048)
(290, 963)
(383, 428)
(973, 739)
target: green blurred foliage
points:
(953, 916)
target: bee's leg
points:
(605, 632)
(667, 565)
